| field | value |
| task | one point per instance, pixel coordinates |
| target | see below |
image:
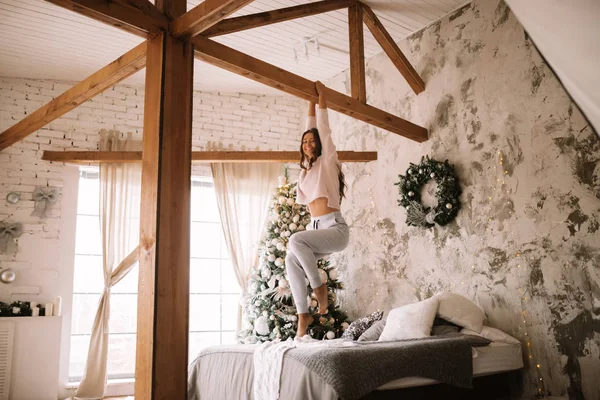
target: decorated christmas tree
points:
(269, 311)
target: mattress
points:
(494, 358)
(228, 374)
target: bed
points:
(495, 358)
(408, 349)
(226, 372)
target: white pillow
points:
(493, 334)
(460, 311)
(411, 321)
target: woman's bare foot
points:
(304, 321)
(321, 293)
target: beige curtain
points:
(119, 228)
(567, 33)
(243, 192)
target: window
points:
(214, 292)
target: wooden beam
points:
(270, 17)
(242, 64)
(357, 53)
(149, 9)
(139, 17)
(172, 9)
(126, 65)
(148, 222)
(97, 157)
(204, 15)
(163, 287)
(392, 50)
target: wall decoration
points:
(44, 198)
(7, 276)
(8, 233)
(447, 194)
(13, 198)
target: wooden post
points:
(357, 53)
(163, 293)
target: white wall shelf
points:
(35, 358)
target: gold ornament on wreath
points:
(447, 194)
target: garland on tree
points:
(269, 311)
(447, 194)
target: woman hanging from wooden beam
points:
(320, 186)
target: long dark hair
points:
(307, 162)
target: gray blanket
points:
(355, 371)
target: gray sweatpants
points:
(326, 234)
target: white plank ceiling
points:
(40, 40)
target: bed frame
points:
(503, 386)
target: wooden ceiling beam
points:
(392, 50)
(357, 53)
(237, 24)
(242, 64)
(98, 157)
(203, 16)
(123, 67)
(172, 9)
(139, 17)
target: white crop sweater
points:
(321, 180)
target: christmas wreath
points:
(448, 192)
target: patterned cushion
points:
(359, 326)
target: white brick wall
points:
(45, 250)
(220, 121)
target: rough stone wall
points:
(526, 244)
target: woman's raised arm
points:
(311, 122)
(328, 147)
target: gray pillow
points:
(372, 334)
(359, 326)
(443, 329)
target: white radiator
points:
(7, 330)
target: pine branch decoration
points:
(447, 193)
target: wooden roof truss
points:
(174, 37)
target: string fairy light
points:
(379, 222)
(524, 292)
(541, 389)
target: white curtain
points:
(119, 228)
(567, 33)
(243, 192)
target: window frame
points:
(86, 172)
